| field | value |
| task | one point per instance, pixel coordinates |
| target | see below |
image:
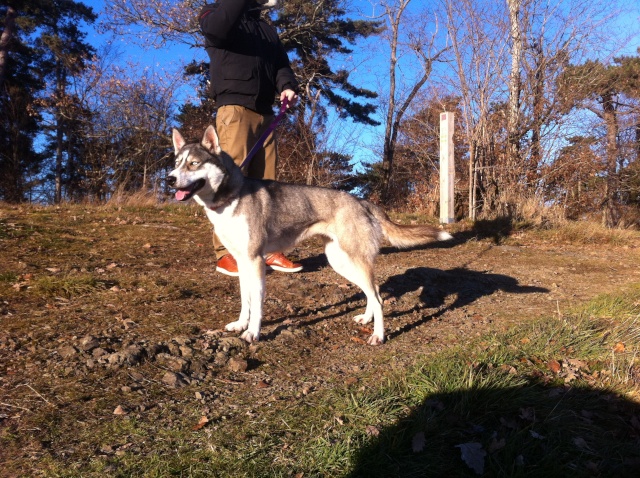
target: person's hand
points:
(291, 96)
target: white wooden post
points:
(447, 169)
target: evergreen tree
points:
(602, 89)
(19, 87)
(64, 54)
(313, 32)
(40, 45)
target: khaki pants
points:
(239, 129)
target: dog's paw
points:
(249, 337)
(362, 319)
(375, 340)
(236, 326)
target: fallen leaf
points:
(418, 442)
(54, 270)
(509, 423)
(496, 444)
(473, 455)
(536, 435)
(203, 421)
(578, 364)
(554, 366)
(119, 411)
(358, 340)
(619, 348)
(510, 369)
(570, 377)
(372, 431)
(528, 413)
(580, 443)
(262, 384)
(350, 381)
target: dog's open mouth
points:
(187, 193)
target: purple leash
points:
(265, 134)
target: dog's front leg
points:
(252, 273)
(242, 323)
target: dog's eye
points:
(195, 163)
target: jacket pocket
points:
(237, 67)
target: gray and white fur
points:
(253, 218)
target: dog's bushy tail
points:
(405, 236)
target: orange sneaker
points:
(278, 262)
(227, 265)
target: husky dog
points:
(254, 217)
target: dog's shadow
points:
(444, 291)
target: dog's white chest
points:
(232, 230)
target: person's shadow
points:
(523, 430)
(435, 288)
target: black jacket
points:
(248, 64)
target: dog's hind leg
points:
(252, 282)
(359, 270)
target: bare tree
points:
(477, 33)
(511, 111)
(155, 22)
(405, 36)
(125, 127)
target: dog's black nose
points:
(171, 180)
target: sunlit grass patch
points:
(584, 232)
(8, 277)
(67, 284)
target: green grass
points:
(9, 277)
(66, 285)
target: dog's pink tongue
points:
(180, 195)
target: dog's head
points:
(199, 168)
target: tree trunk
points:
(610, 213)
(59, 131)
(538, 107)
(306, 128)
(389, 144)
(472, 180)
(514, 85)
(5, 38)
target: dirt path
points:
(434, 298)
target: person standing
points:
(248, 69)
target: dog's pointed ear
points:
(178, 140)
(210, 140)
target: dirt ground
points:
(128, 301)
